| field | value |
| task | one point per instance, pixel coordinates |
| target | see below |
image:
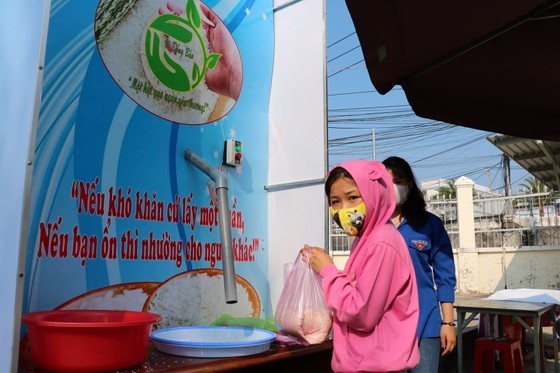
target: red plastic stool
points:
(510, 351)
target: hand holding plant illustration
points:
(227, 77)
(175, 58)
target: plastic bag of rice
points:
(302, 311)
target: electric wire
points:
(430, 146)
(339, 40)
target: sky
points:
(355, 111)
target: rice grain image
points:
(197, 297)
(129, 296)
(158, 57)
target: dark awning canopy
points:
(489, 65)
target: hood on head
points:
(376, 187)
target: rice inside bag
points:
(302, 311)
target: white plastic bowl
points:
(212, 341)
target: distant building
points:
(430, 188)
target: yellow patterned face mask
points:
(351, 220)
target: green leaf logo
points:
(192, 13)
(166, 41)
(212, 60)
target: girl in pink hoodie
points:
(374, 300)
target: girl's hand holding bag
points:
(301, 311)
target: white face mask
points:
(401, 193)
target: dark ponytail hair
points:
(414, 209)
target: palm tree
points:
(534, 185)
(447, 191)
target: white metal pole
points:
(373, 143)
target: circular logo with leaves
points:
(174, 53)
(161, 54)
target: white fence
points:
(338, 241)
(499, 221)
(505, 221)
(499, 242)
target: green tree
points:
(534, 185)
(447, 191)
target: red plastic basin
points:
(88, 340)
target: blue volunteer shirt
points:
(429, 248)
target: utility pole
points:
(490, 180)
(491, 194)
(373, 144)
(507, 182)
(507, 174)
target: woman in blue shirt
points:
(432, 256)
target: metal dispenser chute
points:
(220, 182)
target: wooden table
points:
(517, 310)
(313, 358)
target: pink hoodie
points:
(374, 299)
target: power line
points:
(343, 54)
(396, 88)
(339, 40)
(349, 93)
(399, 131)
(346, 68)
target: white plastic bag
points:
(301, 311)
